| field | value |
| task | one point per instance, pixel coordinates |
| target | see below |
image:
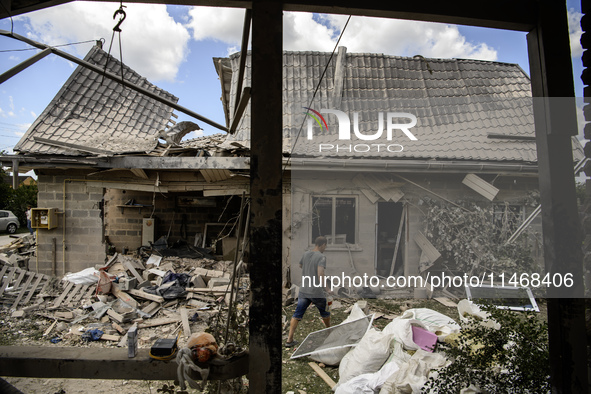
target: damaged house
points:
(115, 171)
(114, 175)
(371, 137)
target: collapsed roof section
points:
(92, 115)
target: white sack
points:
(367, 357)
(88, 276)
(401, 331)
(438, 323)
(367, 383)
(413, 375)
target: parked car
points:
(8, 222)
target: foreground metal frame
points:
(551, 75)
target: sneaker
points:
(292, 343)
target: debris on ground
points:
(159, 296)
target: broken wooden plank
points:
(33, 289)
(214, 290)
(5, 284)
(431, 253)
(18, 280)
(118, 328)
(46, 333)
(24, 289)
(159, 322)
(185, 321)
(131, 268)
(480, 186)
(146, 296)
(123, 296)
(327, 379)
(90, 292)
(58, 301)
(4, 269)
(153, 307)
(72, 294)
(81, 293)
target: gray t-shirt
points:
(311, 286)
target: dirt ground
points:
(297, 375)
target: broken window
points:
(335, 218)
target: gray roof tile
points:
(457, 103)
(89, 109)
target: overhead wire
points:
(53, 46)
(316, 90)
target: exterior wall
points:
(81, 244)
(123, 227)
(360, 258)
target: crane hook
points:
(123, 16)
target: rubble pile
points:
(160, 297)
(18, 252)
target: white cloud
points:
(153, 43)
(316, 32)
(408, 38)
(575, 32)
(34, 115)
(220, 24)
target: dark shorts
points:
(304, 303)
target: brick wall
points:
(82, 240)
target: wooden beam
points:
(116, 78)
(177, 163)
(514, 15)
(555, 123)
(104, 363)
(24, 65)
(266, 185)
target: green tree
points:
(6, 191)
(22, 197)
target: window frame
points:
(331, 244)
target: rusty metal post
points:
(551, 75)
(266, 199)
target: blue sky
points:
(173, 47)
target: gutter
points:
(332, 164)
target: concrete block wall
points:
(81, 244)
(123, 227)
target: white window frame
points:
(332, 236)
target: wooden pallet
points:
(23, 285)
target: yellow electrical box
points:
(44, 218)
